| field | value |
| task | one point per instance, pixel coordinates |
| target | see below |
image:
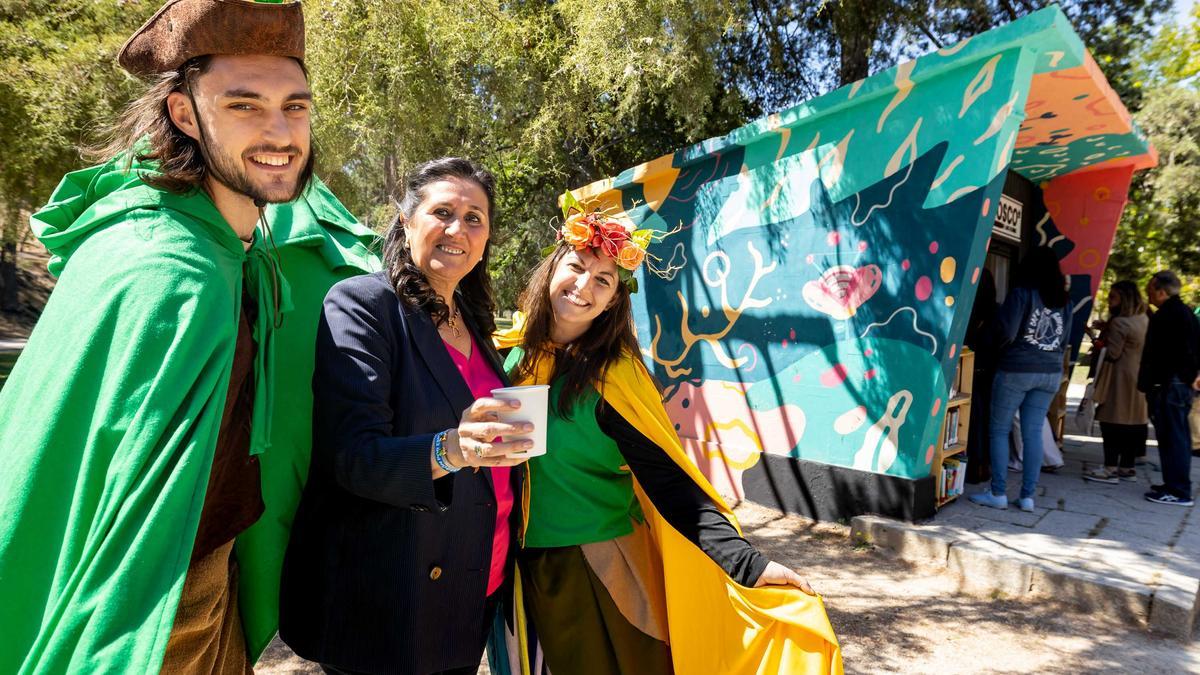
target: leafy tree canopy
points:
(546, 94)
(58, 85)
(1161, 222)
(785, 51)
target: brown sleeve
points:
(1114, 338)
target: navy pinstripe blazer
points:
(387, 569)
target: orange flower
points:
(630, 256)
(575, 231)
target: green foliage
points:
(546, 95)
(58, 83)
(551, 95)
(788, 51)
(1174, 55)
(1160, 224)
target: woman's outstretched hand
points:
(778, 575)
(476, 442)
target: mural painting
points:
(824, 260)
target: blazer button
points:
(435, 573)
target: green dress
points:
(109, 419)
(584, 490)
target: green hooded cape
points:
(109, 419)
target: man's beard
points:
(232, 174)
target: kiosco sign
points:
(1008, 219)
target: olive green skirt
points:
(579, 626)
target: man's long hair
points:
(145, 132)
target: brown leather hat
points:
(185, 29)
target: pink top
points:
(481, 380)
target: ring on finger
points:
(478, 451)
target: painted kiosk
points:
(810, 326)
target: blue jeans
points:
(1169, 406)
(1031, 393)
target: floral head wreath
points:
(595, 229)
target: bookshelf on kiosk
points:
(950, 457)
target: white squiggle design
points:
(964, 190)
(753, 351)
(881, 442)
(1042, 170)
(672, 268)
(979, 85)
(854, 89)
(1079, 305)
(937, 182)
(891, 193)
(1040, 228)
(916, 330)
(999, 118)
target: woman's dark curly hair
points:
(475, 290)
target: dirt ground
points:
(895, 617)
(36, 284)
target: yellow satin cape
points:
(715, 624)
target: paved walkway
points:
(1099, 546)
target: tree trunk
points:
(9, 285)
(856, 24)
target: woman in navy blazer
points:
(394, 550)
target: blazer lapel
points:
(424, 336)
(433, 351)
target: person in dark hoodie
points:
(981, 339)
(1167, 376)
(1033, 328)
(156, 430)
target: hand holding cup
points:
(477, 440)
(534, 406)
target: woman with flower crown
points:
(630, 561)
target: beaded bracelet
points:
(439, 453)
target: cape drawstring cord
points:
(275, 263)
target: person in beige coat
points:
(1121, 408)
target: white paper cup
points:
(534, 400)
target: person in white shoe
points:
(1121, 408)
(1033, 327)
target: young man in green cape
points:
(155, 432)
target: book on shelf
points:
(954, 475)
(951, 428)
